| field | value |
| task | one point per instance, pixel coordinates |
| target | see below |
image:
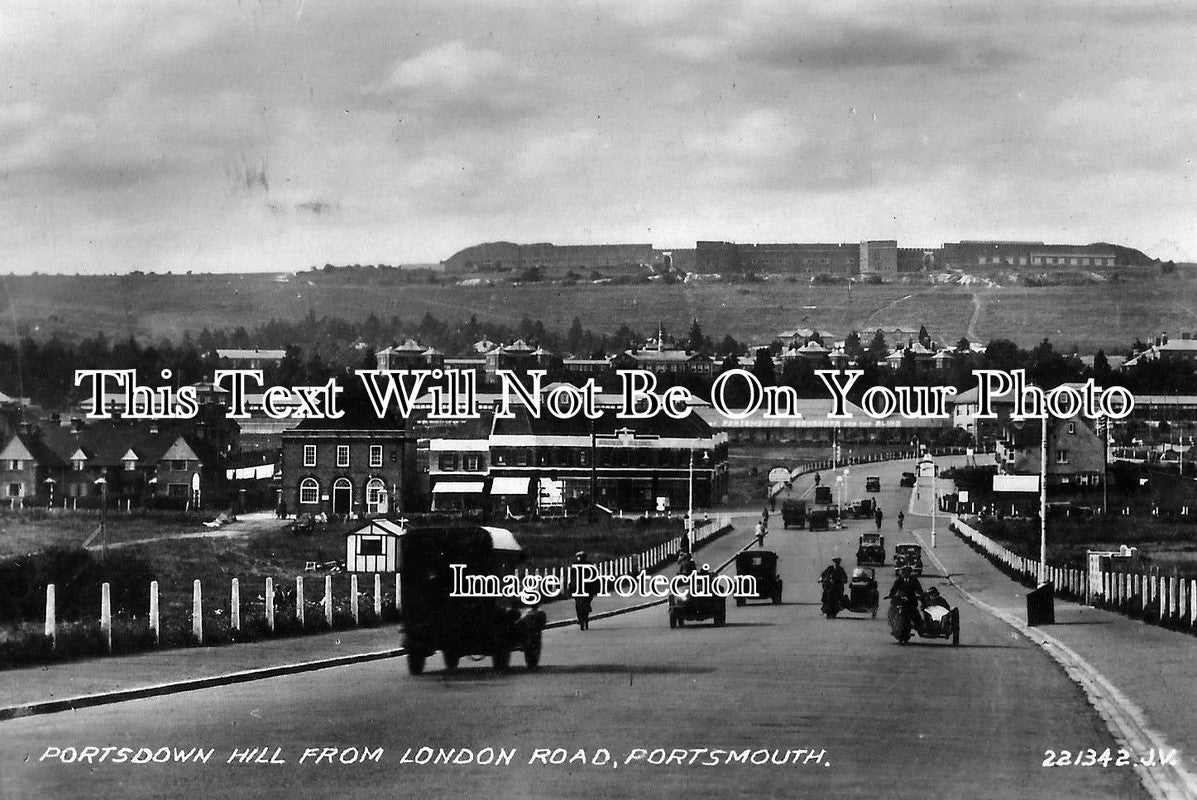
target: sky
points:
(243, 135)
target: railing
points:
(1166, 600)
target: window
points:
(501, 458)
(14, 465)
(472, 463)
(309, 491)
(130, 464)
(522, 457)
(309, 455)
(178, 466)
(447, 462)
(14, 490)
(78, 465)
(376, 455)
(342, 455)
(375, 492)
(178, 490)
(1061, 456)
(369, 546)
(1072, 427)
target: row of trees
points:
(44, 370)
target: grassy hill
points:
(1091, 316)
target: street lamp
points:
(841, 481)
(690, 514)
(103, 484)
(1043, 502)
(934, 499)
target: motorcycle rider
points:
(908, 591)
(834, 579)
(934, 598)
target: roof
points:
(109, 444)
(609, 424)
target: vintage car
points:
(823, 495)
(761, 565)
(819, 520)
(793, 512)
(861, 509)
(908, 554)
(685, 606)
(908, 480)
(873, 483)
(871, 549)
(434, 618)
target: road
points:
(922, 721)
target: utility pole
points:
(1043, 502)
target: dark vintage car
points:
(823, 495)
(793, 512)
(873, 483)
(871, 549)
(908, 554)
(686, 607)
(435, 619)
(819, 520)
(908, 480)
(861, 509)
(761, 565)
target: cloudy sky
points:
(278, 134)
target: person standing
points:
(878, 517)
(901, 520)
(583, 592)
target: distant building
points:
(973, 254)
(879, 257)
(1075, 452)
(504, 256)
(1182, 350)
(809, 258)
(250, 359)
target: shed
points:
(373, 547)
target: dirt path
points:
(244, 526)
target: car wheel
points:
(955, 628)
(415, 664)
(451, 660)
(720, 618)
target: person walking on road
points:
(761, 531)
(901, 520)
(817, 480)
(583, 595)
(878, 517)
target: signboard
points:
(1016, 483)
(962, 496)
(779, 475)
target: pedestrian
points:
(760, 534)
(901, 520)
(878, 517)
(583, 594)
(817, 480)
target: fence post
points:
(353, 595)
(328, 615)
(270, 604)
(51, 629)
(299, 601)
(235, 605)
(155, 622)
(397, 591)
(1192, 603)
(378, 596)
(197, 612)
(106, 614)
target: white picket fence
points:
(1167, 599)
(646, 561)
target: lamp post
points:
(934, 499)
(1043, 502)
(840, 481)
(690, 513)
(103, 484)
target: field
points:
(1089, 316)
(1162, 543)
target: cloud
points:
(453, 66)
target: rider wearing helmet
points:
(934, 598)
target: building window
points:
(472, 463)
(130, 464)
(78, 465)
(178, 466)
(14, 465)
(309, 491)
(522, 457)
(309, 455)
(342, 455)
(501, 458)
(375, 491)
(447, 462)
(14, 490)
(1061, 456)
(1072, 427)
(376, 455)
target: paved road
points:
(921, 721)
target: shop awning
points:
(460, 487)
(509, 486)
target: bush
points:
(77, 576)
